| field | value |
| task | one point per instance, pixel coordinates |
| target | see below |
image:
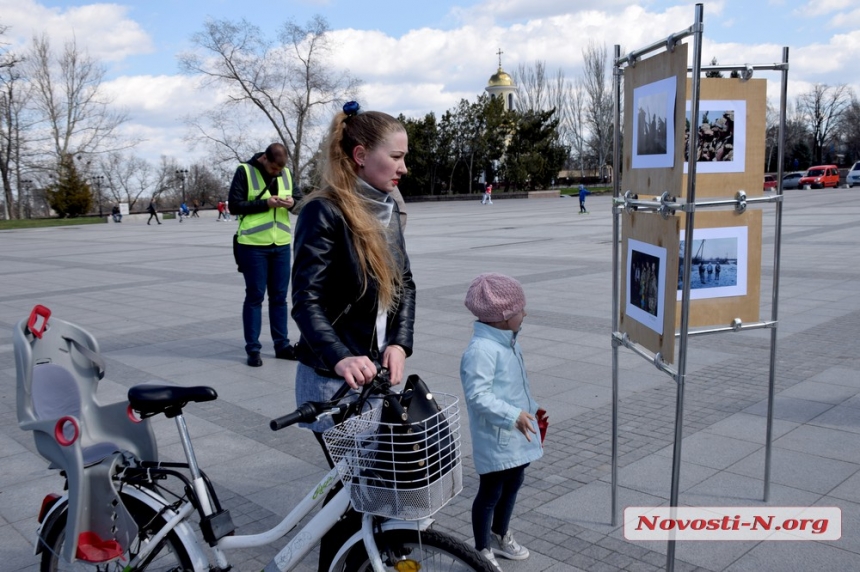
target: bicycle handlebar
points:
(309, 411)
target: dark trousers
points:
(153, 214)
(265, 268)
(494, 503)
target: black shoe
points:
(254, 359)
(288, 352)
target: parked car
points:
(853, 176)
(821, 177)
(769, 182)
(791, 181)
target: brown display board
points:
(654, 123)
(720, 300)
(725, 101)
(649, 275)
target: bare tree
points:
(850, 130)
(13, 99)
(291, 84)
(598, 106)
(127, 178)
(67, 94)
(822, 108)
(532, 88)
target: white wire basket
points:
(399, 471)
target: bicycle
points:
(374, 524)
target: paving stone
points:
(165, 328)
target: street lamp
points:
(182, 173)
(26, 204)
(98, 181)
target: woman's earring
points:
(361, 165)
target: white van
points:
(853, 176)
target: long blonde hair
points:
(339, 174)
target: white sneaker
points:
(507, 547)
(488, 554)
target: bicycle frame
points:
(302, 542)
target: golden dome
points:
(500, 78)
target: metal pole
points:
(777, 245)
(688, 259)
(616, 277)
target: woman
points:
(353, 294)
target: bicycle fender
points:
(183, 531)
(388, 524)
(57, 510)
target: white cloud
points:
(103, 29)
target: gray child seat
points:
(58, 370)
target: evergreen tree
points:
(70, 195)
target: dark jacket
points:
(335, 321)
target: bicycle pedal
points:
(216, 526)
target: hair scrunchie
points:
(351, 108)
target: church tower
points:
(502, 85)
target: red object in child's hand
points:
(543, 423)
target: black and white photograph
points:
(646, 283)
(719, 263)
(654, 124)
(721, 139)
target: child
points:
(582, 193)
(501, 411)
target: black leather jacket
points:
(334, 319)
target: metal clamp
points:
(741, 197)
(747, 72)
(737, 324)
(671, 42)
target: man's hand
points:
(280, 202)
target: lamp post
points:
(98, 181)
(27, 183)
(182, 173)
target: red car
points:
(769, 182)
(821, 177)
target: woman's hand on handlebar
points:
(356, 370)
(394, 358)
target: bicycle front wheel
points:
(428, 551)
(169, 556)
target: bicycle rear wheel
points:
(431, 550)
(169, 556)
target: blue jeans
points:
(494, 503)
(265, 267)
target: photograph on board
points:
(721, 142)
(719, 263)
(646, 283)
(654, 128)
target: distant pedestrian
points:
(195, 206)
(488, 195)
(222, 211)
(710, 271)
(116, 213)
(702, 272)
(717, 271)
(153, 212)
(583, 192)
(502, 412)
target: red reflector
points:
(47, 503)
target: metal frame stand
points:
(669, 206)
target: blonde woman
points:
(353, 293)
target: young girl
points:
(501, 411)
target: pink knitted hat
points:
(495, 297)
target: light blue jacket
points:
(497, 389)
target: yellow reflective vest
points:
(271, 226)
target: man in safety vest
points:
(261, 195)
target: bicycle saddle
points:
(149, 400)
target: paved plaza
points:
(165, 303)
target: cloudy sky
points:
(417, 57)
